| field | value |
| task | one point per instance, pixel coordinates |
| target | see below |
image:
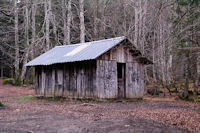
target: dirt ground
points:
(24, 113)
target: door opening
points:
(121, 77)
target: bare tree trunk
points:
(197, 77)
(1, 70)
(136, 24)
(52, 19)
(46, 7)
(154, 43)
(69, 18)
(16, 64)
(103, 20)
(82, 23)
(162, 50)
(27, 41)
(95, 13)
(169, 68)
(64, 22)
(33, 8)
(140, 26)
(187, 67)
(67, 26)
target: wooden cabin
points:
(110, 68)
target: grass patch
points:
(25, 98)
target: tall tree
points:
(16, 64)
(69, 18)
(47, 5)
(64, 21)
(26, 32)
(33, 10)
(82, 21)
(67, 25)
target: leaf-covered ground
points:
(25, 113)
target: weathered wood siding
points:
(119, 54)
(74, 80)
(134, 80)
(107, 79)
(134, 77)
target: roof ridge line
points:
(92, 41)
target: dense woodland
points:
(166, 31)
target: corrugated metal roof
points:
(76, 52)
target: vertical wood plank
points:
(48, 81)
(78, 80)
(53, 80)
(75, 81)
(43, 82)
(40, 80)
(66, 80)
(36, 80)
(59, 81)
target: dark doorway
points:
(121, 77)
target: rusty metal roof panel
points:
(76, 52)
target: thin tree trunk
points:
(52, 19)
(136, 25)
(197, 77)
(69, 18)
(33, 8)
(154, 43)
(27, 41)
(103, 20)
(1, 70)
(95, 13)
(46, 7)
(16, 64)
(187, 75)
(82, 23)
(64, 22)
(67, 25)
(162, 50)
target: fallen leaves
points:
(180, 114)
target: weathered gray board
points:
(91, 79)
(134, 80)
(107, 79)
(67, 80)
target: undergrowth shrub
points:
(1, 104)
(8, 81)
(154, 91)
(195, 98)
(18, 82)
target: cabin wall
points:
(107, 79)
(134, 80)
(134, 75)
(73, 80)
(119, 54)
